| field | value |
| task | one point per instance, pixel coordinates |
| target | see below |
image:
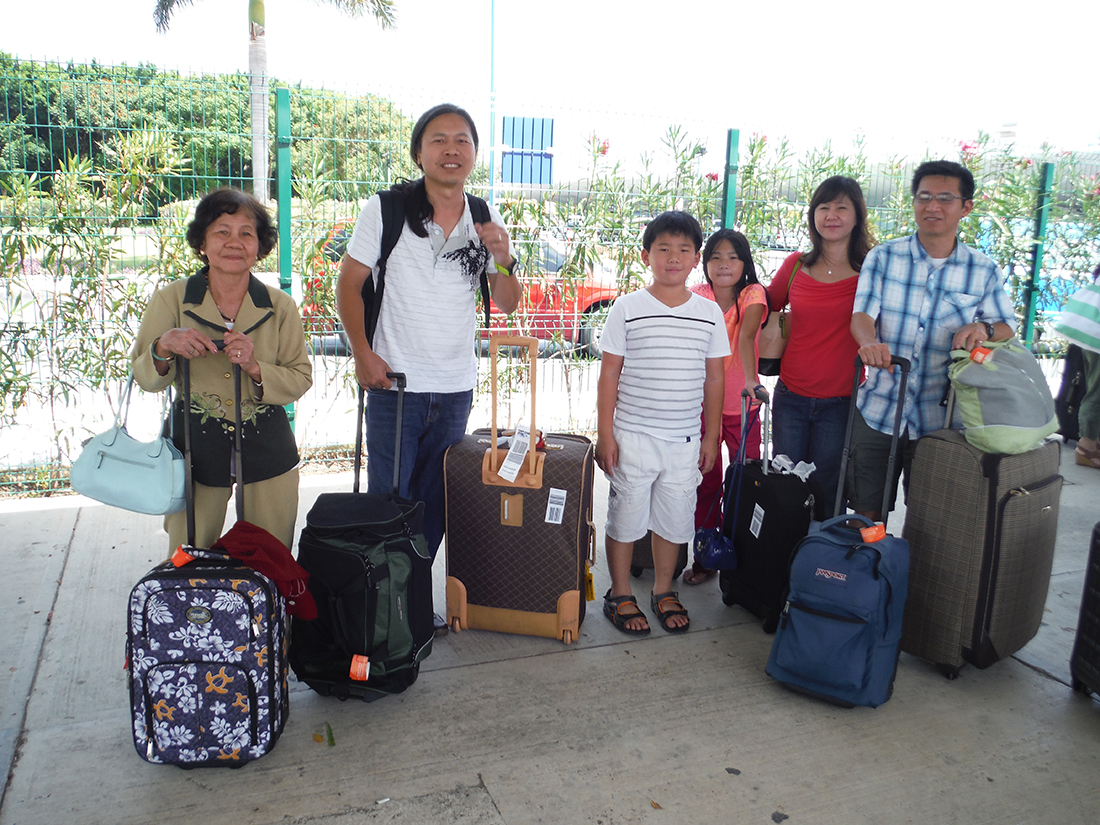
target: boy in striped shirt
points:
(663, 349)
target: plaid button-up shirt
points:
(918, 308)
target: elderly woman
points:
(262, 334)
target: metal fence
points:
(99, 167)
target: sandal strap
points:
(619, 602)
(671, 596)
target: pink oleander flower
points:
(712, 177)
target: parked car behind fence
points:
(565, 313)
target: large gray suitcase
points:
(981, 531)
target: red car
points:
(566, 312)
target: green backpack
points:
(1001, 398)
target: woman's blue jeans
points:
(431, 423)
(811, 430)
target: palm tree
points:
(257, 66)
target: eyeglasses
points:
(944, 198)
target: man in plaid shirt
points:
(918, 297)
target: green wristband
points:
(153, 350)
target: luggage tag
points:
(517, 451)
(589, 580)
(876, 532)
(360, 668)
(979, 354)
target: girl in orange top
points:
(732, 284)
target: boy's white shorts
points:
(653, 488)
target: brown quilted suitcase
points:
(981, 529)
(643, 557)
(518, 551)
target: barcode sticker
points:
(757, 520)
(516, 453)
(555, 506)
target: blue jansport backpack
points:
(840, 628)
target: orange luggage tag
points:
(360, 668)
(877, 532)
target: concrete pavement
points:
(517, 730)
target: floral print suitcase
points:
(206, 648)
(207, 656)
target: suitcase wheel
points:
(456, 625)
(636, 570)
(567, 636)
(728, 598)
(949, 671)
(1080, 687)
(771, 622)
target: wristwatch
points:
(989, 331)
(510, 269)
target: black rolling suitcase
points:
(206, 648)
(1070, 393)
(371, 576)
(767, 514)
(1084, 664)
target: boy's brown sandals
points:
(613, 608)
(667, 605)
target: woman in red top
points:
(731, 282)
(812, 396)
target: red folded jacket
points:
(266, 554)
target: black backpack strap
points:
(479, 211)
(393, 222)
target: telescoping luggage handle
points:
(399, 379)
(761, 395)
(903, 364)
(491, 464)
(738, 461)
(188, 475)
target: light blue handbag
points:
(117, 469)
